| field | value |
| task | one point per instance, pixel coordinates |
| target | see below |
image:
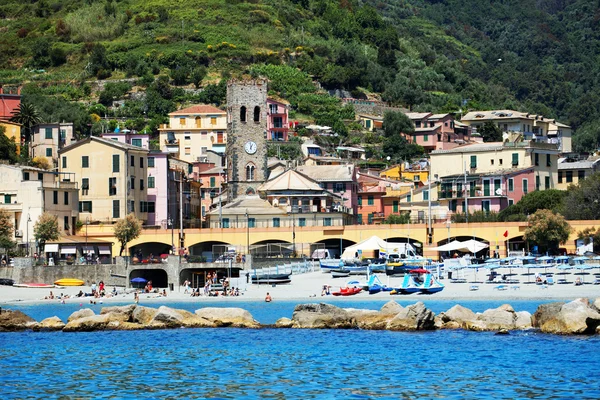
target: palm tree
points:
(28, 117)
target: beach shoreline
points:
(306, 288)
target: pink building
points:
(338, 179)
(437, 131)
(277, 120)
(493, 191)
(212, 177)
(158, 177)
(134, 139)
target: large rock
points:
(284, 323)
(413, 318)
(576, 317)
(596, 304)
(500, 318)
(391, 307)
(126, 312)
(231, 316)
(458, 314)
(523, 320)
(321, 316)
(371, 319)
(143, 315)
(83, 313)
(50, 324)
(11, 321)
(167, 317)
(110, 321)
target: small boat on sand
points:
(69, 282)
(347, 291)
(34, 285)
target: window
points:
(395, 206)
(141, 162)
(273, 108)
(511, 202)
(85, 184)
(85, 161)
(182, 121)
(256, 114)
(417, 124)
(525, 186)
(116, 209)
(141, 184)
(150, 162)
(40, 176)
(473, 161)
(115, 162)
(370, 201)
(131, 206)
(64, 162)
(251, 222)
(85, 206)
(48, 133)
(187, 138)
(225, 222)
(426, 138)
(132, 161)
(188, 151)
(368, 123)
(409, 198)
(359, 219)
(492, 162)
(581, 174)
(560, 177)
(55, 197)
(425, 195)
(136, 142)
(500, 161)
(250, 172)
(49, 152)
(203, 150)
(112, 186)
(537, 182)
(370, 218)
(7, 199)
(66, 198)
(511, 185)
(360, 200)
(485, 206)
(276, 222)
(150, 182)
(340, 187)
(198, 122)
(417, 178)
(301, 221)
(25, 176)
(132, 182)
(212, 181)
(569, 177)
(546, 182)
(327, 221)
(515, 159)
(203, 210)
(213, 120)
(243, 113)
(66, 223)
(536, 156)
(151, 207)
(548, 161)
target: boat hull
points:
(264, 281)
(34, 285)
(340, 273)
(69, 282)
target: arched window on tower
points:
(256, 114)
(243, 114)
(250, 168)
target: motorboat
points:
(340, 273)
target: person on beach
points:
(268, 299)
(136, 298)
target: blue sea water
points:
(285, 363)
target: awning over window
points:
(104, 249)
(88, 247)
(51, 248)
(68, 249)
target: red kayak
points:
(347, 291)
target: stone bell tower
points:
(246, 136)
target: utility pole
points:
(429, 234)
(466, 194)
(180, 209)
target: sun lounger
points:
(473, 288)
(501, 287)
(515, 287)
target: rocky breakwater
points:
(132, 317)
(501, 319)
(576, 317)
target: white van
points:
(319, 254)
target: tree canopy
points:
(126, 230)
(6, 230)
(46, 228)
(550, 199)
(547, 230)
(582, 201)
(8, 148)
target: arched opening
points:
(149, 252)
(250, 191)
(335, 246)
(157, 276)
(415, 245)
(271, 248)
(250, 168)
(243, 113)
(208, 251)
(256, 114)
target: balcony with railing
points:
(60, 185)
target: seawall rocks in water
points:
(576, 317)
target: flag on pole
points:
(505, 234)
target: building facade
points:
(48, 139)
(193, 131)
(112, 178)
(277, 124)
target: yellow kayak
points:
(69, 282)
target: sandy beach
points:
(308, 287)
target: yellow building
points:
(531, 126)
(111, 176)
(12, 130)
(193, 131)
(409, 173)
(48, 139)
(481, 158)
(572, 172)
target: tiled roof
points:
(290, 180)
(199, 109)
(253, 205)
(109, 142)
(328, 173)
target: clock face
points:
(250, 147)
